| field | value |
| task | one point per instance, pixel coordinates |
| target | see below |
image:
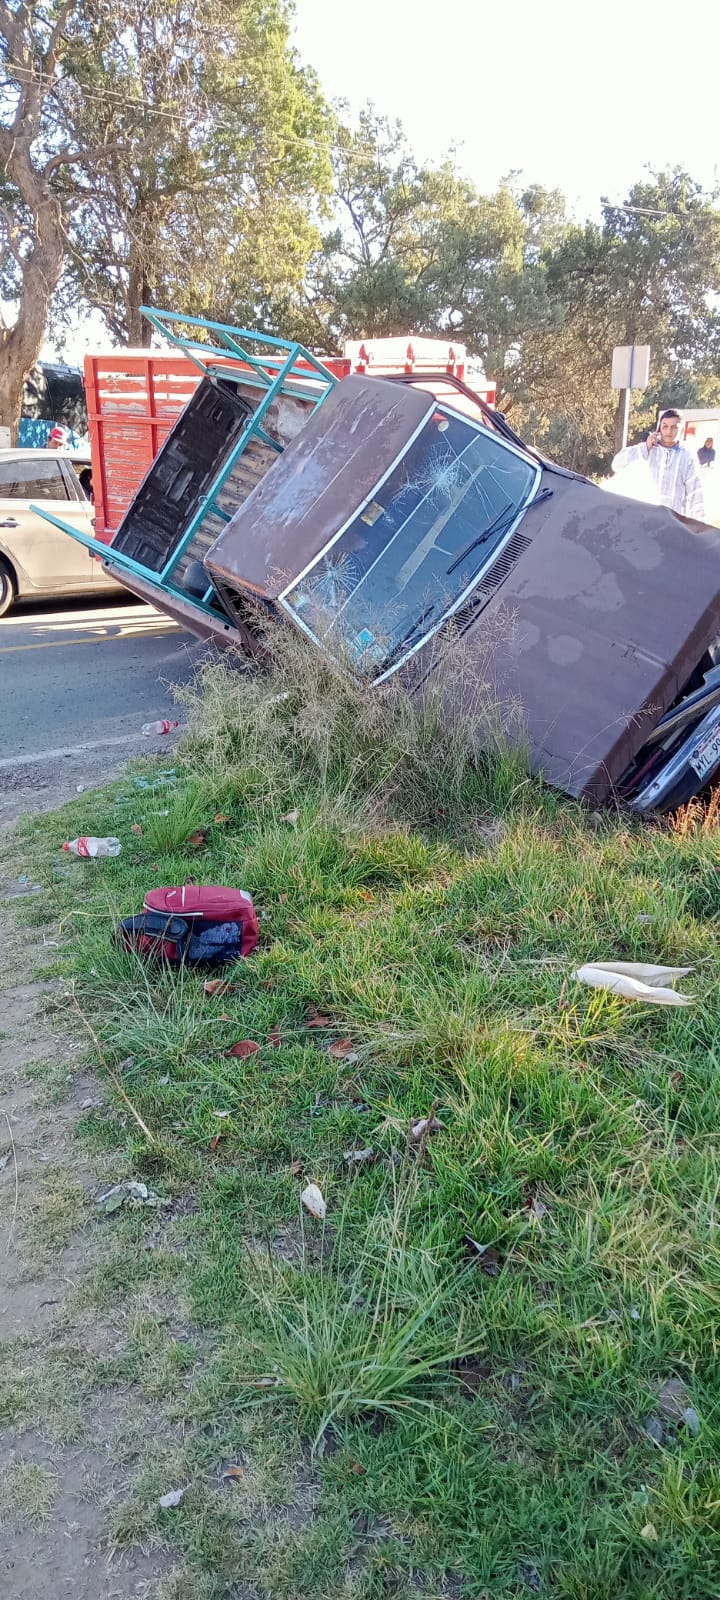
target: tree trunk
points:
(20, 346)
(139, 294)
(12, 378)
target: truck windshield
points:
(411, 554)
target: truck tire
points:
(7, 587)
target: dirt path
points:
(67, 1448)
(50, 780)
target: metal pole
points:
(625, 402)
(626, 398)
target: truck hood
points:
(606, 610)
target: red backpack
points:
(199, 924)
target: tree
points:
(36, 160)
(377, 271)
(663, 267)
(417, 249)
(492, 277)
(208, 200)
(648, 275)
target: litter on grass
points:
(359, 1158)
(131, 1193)
(424, 1126)
(172, 1499)
(636, 980)
(313, 1201)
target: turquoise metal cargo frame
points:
(277, 366)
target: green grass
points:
(463, 1433)
(27, 1492)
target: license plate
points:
(706, 754)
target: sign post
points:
(630, 370)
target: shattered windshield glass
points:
(419, 546)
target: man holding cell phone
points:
(674, 480)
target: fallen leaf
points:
(313, 1201)
(282, 899)
(114, 1202)
(341, 1049)
(691, 1420)
(243, 1047)
(538, 1208)
(649, 1532)
(357, 1468)
(317, 1019)
(359, 1158)
(198, 838)
(274, 1036)
(654, 1427)
(291, 817)
(425, 1126)
(136, 828)
(296, 1168)
(214, 1142)
(677, 1079)
(171, 1499)
(221, 817)
(233, 1474)
(219, 986)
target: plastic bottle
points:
(161, 726)
(90, 846)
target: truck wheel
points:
(7, 587)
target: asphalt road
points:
(77, 682)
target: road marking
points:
(7, 764)
(102, 638)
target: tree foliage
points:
(210, 203)
(175, 152)
(162, 151)
(37, 162)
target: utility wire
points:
(116, 99)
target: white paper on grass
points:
(313, 1201)
(635, 980)
(655, 976)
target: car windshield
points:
(412, 553)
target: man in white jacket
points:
(673, 477)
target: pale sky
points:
(579, 97)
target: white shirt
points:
(673, 476)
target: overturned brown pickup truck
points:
(376, 513)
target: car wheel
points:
(7, 587)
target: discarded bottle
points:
(161, 726)
(90, 846)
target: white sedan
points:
(37, 560)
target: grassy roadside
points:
(410, 1415)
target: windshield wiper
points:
(407, 636)
(500, 522)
